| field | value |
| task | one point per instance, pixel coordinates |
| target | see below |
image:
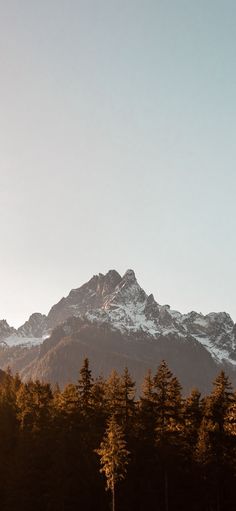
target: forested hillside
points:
(179, 452)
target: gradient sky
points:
(117, 149)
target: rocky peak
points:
(129, 276)
(84, 299)
(120, 302)
(5, 329)
(109, 282)
(34, 327)
(127, 291)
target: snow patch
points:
(15, 340)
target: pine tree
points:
(192, 411)
(84, 387)
(66, 405)
(100, 412)
(168, 402)
(34, 401)
(169, 426)
(213, 447)
(114, 456)
(147, 410)
(127, 399)
(231, 416)
(114, 394)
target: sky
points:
(117, 150)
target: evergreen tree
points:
(84, 386)
(34, 401)
(192, 412)
(147, 415)
(213, 447)
(114, 396)
(169, 424)
(183, 450)
(127, 399)
(113, 456)
(168, 403)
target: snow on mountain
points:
(5, 329)
(121, 303)
(215, 331)
(124, 305)
(34, 327)
(24, 342)
(32, 333)
(126, 308)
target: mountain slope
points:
(113, 321)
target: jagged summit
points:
(34, 327)
(120, 303)
(5, 329)
(129, 275)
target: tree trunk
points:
(113, 498)
(166, 491)
(113, 492)
(218, 500)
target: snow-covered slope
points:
(124, 306)
(32, 333)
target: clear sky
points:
(117, 149)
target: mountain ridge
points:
(119, 305)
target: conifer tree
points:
(231, 416)
(218, 403)
(168, 402)
(169, 427)
(192, 411)
(114, 394)
(34, 401)
(213, 447)
(114, 456)
(67, 404)
(84, 386)
(147, 409)
(100, 412)
(127, 398)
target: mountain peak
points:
(120, 302)
(5, 329)
(117, 306)
(129, 275)
(34, 327)
(113, 274)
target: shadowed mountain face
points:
(88, 297)
(115, 323)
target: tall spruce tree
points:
(147, 410)
(213, 448)
(127, 399)
(192, 412)
(84, 386)
(169, 426)
(114, 395)
(114, 456)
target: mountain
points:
(115, 323)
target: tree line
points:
(61, 448)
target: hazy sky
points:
(117, 149)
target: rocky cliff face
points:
(5, 330)
(35, 327)
(113, 321)
(89, 297)
(122, 304)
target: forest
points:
(95, 445)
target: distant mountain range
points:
(115, 323)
